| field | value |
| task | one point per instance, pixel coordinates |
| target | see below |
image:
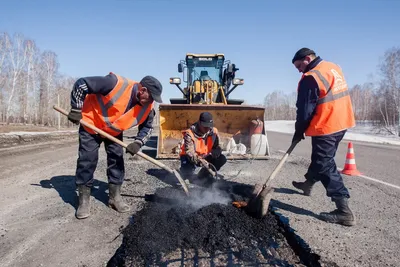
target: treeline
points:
(376, 101)
(30, 83)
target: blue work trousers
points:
(89, 154)
(323, 166)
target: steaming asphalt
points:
(37, 198)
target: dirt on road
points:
(38, 201)
(38, 226)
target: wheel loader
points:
(209, 81)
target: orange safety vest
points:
(334, 111)
(108, 113)
(202, 146)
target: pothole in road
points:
(204, 229)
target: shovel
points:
(140, 154)
(205, 164)
(261, 196)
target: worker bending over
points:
(113, 104)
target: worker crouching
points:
(201, 147)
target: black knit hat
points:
(302, 53)
(154, 87)
(206, 119)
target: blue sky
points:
(137, 37)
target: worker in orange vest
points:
(113, 104)
(324, 112)
(201, 144)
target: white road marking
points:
(366, 177)
(375, 180)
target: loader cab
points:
(208, 78)
(204, 68)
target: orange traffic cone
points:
(350, 167)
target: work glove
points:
(297, 137)
(203, 163)
(134, 147)
(216, 152)
(195, 159)
(75, 115)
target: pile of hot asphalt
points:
(204, 228)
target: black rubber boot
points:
(342, 215)
(306, 186)
(115, 200)
(204, 178)
(83, 210)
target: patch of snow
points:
(362, 132)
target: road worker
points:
(201, 144)
(113, 104)
(324, 112)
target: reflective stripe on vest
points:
(104, 107)
(329, 95)
(110, 113)
(201, 146)
(334, 111)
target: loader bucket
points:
(230, 120)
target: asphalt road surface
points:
(373, 160)
(38, 200)
(375, 240)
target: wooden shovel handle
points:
(278, 167)
(112, 138)
(281, 162)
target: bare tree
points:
(389, 90)
(42, 101)
(28, 93)
(280, 106)
(63, 92)
(29, 82)
(4, 50)
(362, 97)
(50, 66)
(17, 56)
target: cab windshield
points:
(204, 69)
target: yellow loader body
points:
(208, 79)
(232, 121)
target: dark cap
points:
(206, 119)
(154, 86)
(302, 53)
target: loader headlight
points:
(175, 80)
(238, 81)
